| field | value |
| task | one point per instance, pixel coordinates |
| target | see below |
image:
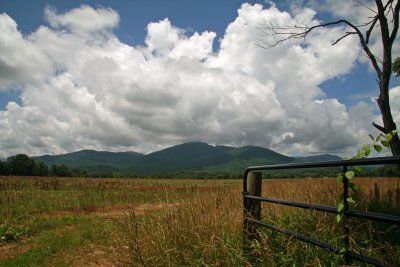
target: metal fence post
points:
(345, 217)
(252, 208)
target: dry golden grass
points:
(207, 230)
(163, 222)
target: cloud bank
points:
(81, 87)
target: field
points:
(165, 222)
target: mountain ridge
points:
(192, 156)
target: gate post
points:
(252, 208)
(345, 221)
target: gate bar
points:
(351, 213)
(319, 243)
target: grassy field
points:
(160, 222)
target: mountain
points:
(94, 161)
(188, 156)
(251, 152)
(194, 156)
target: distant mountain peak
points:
(191, 156)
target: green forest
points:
(23, 165)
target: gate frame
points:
(252, 206)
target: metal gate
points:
(252, 206)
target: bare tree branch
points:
(380, 128)
(301, 32)
(372, 22)
(361, 3)
(386, 20)
(369, 31)
(344, 36)
(395, 22)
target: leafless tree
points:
(385, 20)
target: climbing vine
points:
(382, 141)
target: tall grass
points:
(207, 230)
(22, 198)
(202, 232)
(190, 222)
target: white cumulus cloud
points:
(83, 20)
(21, 61)
(84, 88)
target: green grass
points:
(58, 235)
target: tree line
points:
(22, 165)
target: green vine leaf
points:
(385, 143)
(339, 178)
(378, 148)
(353, 187)
(340, 207)
(357, 169)
(339, 217)
(350, 200)
(361, 154)
(349, 175)
(367, 147)
(378, 143)
(388, 137)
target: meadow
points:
(49, 221)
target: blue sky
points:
(135, 15)
(340, 82)
(189, 15)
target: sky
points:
(145, 75)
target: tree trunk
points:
(388, 124)
(384, 76)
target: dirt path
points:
(92, 254)
(126, 210)
(11, 250)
